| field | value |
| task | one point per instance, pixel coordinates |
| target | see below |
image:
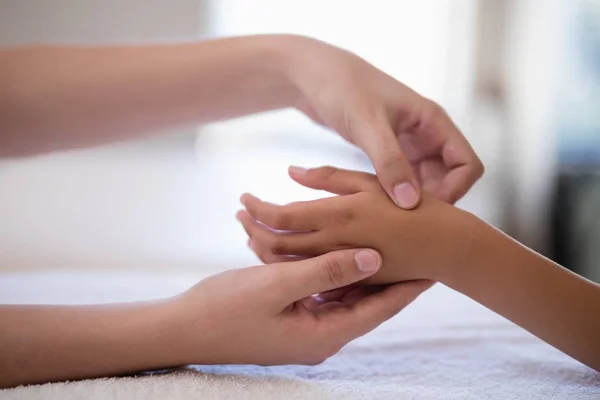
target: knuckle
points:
(281, 219)
(333, 271)
(436, 110)
(265, 256)
(322, 173)
(331, 350)
(479, 169)
(430, 113)
(349, 123)
(390, 161)
(313, 363)
(279, 245)
(345, 217)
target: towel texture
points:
(444, 346)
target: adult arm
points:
(258, 315)
(60, 97)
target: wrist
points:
(460, 242)
(146, 335)
(294, 55)
(188, 330)
(275, 57)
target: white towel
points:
(444, 346)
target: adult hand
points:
(410, 140)
(63, 97)
(264, 315)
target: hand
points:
(414, 245)
(264, 315)
(410, 140)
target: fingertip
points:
(297, 172)
(368, 261)
(247, 197)
(244, 216)
(406, 195)
(240, 215)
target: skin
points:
(60, 97)
(64, 97)
(224, 319)
(436, 241)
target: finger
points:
(336, 295)
(283, 243)
(268, 257)
(290, 217)
(465, 169)
(371, 311)
(327, 272)
(393, 168)
(348, 297)
(457, 154)
(333, 180)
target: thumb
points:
(393, 168)
(301, 279)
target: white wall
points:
(96, 21)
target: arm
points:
(52, 343)
(54, 97)
(261, 316)
(59, 97)
(556, 305)
(436, 241)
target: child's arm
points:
(556, 305)
(436, 241)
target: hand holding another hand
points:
(410, 140)
(416, 244)
(265, 315)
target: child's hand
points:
(417, 244)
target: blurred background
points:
(521, 78)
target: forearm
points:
(55, 97)
(551, 302)
(51, 343)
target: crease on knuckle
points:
(333, 271)
(390, 160)
(279, 245)
(323, 174)
(345, 217)
(280, 219)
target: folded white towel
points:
(444, 346)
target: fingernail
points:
(405, 195)
(297, 171)
(367, 261)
